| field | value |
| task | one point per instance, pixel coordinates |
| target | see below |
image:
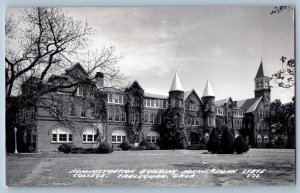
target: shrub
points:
(227, 141)
(104, 148)
(124, 146)
(197, 147)
(137, 148)
(280, 143)
(148, 146)
(240, 145)
(213, 144)
(66, 148)
(269, 145)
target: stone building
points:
(92, 112)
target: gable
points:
(76, 71)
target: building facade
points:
(92, 112)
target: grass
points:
(53, 169)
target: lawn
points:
(273, 167)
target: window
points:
(89, 135)
(80, 90)
(148, 101)
(118, 136)
(197, 122)
(164, 104)
(152, 118)
(206, 136)
(266, 139)
(110, 98)
(136, 117)
(72, 110)
(193, 121)
(117, 116)
(121, 99)
(258, 138)
(82, 113)
(123, 117)
(116, 99)
(211, 121)
(173, 103)
(61, 135)
(146, 118)
(110, 115)
(153, 137)
(158, 119)
(93, 110)
(136, 101)
(152, 103)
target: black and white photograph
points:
(171, 96)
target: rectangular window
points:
(110, 115)
(158, 119)
(114, 138)
(54, 137)
(164, 104)
(152, 103)
(72, 110)
(157, 101)
(110, 98)
(148, 138)
(84, 138)
(148, 101)
(119, 139)
(123, 138)
(62, 137)
(95, 138)
(136, 118)
(70, 137)
(146, 118)
(80, 90)
(120, 99)
(90, 137)
(82, 114)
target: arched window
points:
(152, 137)
(206, 136)
(61, 135)
(117, 116)
(152, 118)
(146, 117)
(158, 119)
(89, 135)
(110, 115)
(123, 117)
(72, 110)
(118, 136)
(266, 139)
(258, 138)
(82, 113)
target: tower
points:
(262, 84)
(176, 94)
(208, 99)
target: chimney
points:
(99, 77)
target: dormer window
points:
(80, 90)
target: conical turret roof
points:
(176, 84)
(208, 90)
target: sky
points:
(222, 44)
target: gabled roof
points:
(136, 84)
(157, 96)
(208, 90)
(176, 84)
(249, 104)
(188, 93)
(222, 102)
(69, 71)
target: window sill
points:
(61, 142)
(90, 142)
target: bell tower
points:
(262, 84)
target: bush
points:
(269, 145)
(137, 148)
(124, 146)
(280, 143)
(213, 144)
(148, 146)
(104, 148)
(83, 150)
(227, 141)
(197, 147)
(240, 145)
(66, 148)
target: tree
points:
(240, 145)
(227, 141)
(285, 77)
(282, 119)
(213, 144)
